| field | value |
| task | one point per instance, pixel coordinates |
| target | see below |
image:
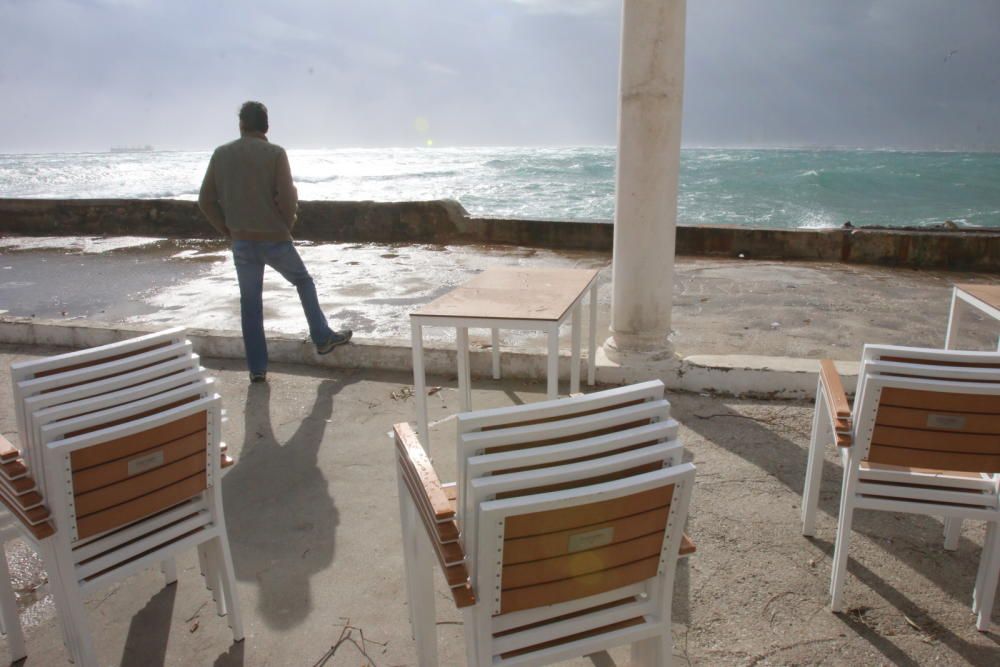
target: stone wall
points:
(447, 222)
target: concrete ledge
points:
(446, 221)
(731, 375)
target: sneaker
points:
(258, 377)
(337, 338)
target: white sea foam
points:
(774, 187)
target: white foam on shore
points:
(87, 245)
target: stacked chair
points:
(119, 469)
(560, 537)
(923, 438)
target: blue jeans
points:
(250, 258)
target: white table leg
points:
(420, 386)
(574, 365)
(495, 347)
(464, 376)
(953, 320)
(553, 370)
(592, 333)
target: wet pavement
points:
(721, 306)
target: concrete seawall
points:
(446, 221)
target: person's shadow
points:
(281, 519)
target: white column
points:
(649, 142)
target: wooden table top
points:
(989, 294)
(543, 295)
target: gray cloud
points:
(86, 75)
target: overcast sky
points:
(89, 74)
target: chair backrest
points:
(102, 368)
(123, 464)
(560, 431)
(562, 571)
(925, 408)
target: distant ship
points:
(132, 149)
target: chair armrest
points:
(8, 452)
(687, 547)
(436, 511)
(19, 494)
(836, 402)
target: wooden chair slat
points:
(416, 459)
(133, 444)
(40, 531)
(22, 485)
(938, 362)
(566, 617)
(941, 401)
(923, 458)
(13, 469)
(938, 420)
(551, 545)
(567, 461)
(638, 470)
(102, 360)
(834, 389)
(940, 441)
(570, 565)
(568, 415)
(139, 485)
(142, 507)
(450, 555)
(621, 625)
(98, 476)
(578, 587)
(443, 531)
(566, 438)
(463, 595)
(540, 523)
(8, 452)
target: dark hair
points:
(253, 117)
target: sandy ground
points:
(720, 306)
(313, 522)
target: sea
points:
(776, 188)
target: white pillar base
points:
(617, 365)
(623, 347)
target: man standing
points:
(248, 195)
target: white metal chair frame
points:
(66, 386)
(94, 562)
(651, 640)
(954, 495)
(648, 436)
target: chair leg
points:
(407, 519)
(986, 587)
(207, 570)
(952, 533)
(425, 615)
(984, 564)
(844, 522)
(814, 469)
(8, 612)
(227, 585)
(70, 606)
(653, 652)
(169, 569)
(56, 587)
(471, 637)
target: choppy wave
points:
(766, 188)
